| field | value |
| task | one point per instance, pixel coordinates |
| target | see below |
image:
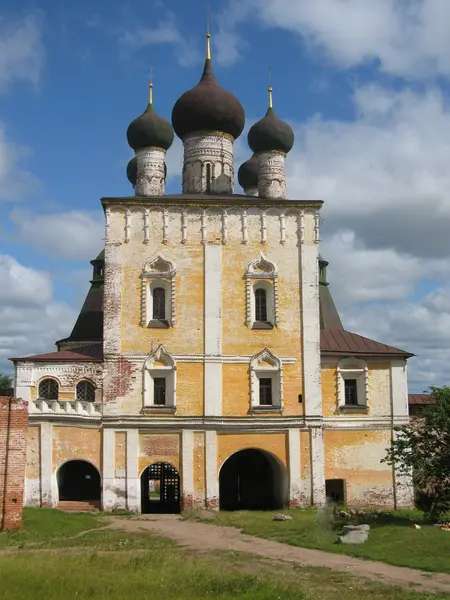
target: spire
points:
(150, 87)
(270, 88)
(208, 33)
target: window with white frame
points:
(261, 282)
(352, 384)
(266, 382)
(159, 386)
(158, 293)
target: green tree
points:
(423, 447)
(5, 383)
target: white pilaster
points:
(295, 480)
(212, 479)
(150, 180)
(112, 298)
(108, 492)
(187, 457)
(317, 467)
(310, 320)
(271, 177)
(213, 329)
(47, 498)
(133, 481)
(208, 164)
(399, 388)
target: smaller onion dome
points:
(271, 133)
(150, 129)
(132, 171)
(248, 173)
(208, 107)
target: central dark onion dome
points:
(208, 107)
(248, 173)
(150, 130)
(271, 133)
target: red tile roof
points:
(420, 399)
(85, 353)
(340, 343)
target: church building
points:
(208, 366)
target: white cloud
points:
(22, 53)
(165, 32)
(15, 182)
(30, 320)
(74, 235)
(405, 37)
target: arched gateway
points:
(78, 480)
(160, 489)
(252, 480)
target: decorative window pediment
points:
(266, 382)
(352, 384)
(159, 387)
(158, 292)
(261, 290)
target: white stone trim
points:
(263, 228)
(165, 225)
(133, 480)
(127, 225)
(295, 477)
(158, 272)
(213, 328)
(46, 458)
(184, 226)
(272, 370)
(187, 464)
(399, 388)
(203, 358)
(108, 474)
(261, 272)
(318, 466)
(244, 227)
(282, 229)
(224, 227)
(168, 371)
(212, 479)
(353, 368)
(146, 225)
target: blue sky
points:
(364, 84)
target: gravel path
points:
(205, 537)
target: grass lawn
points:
(124, 565)
(392, 538)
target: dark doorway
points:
(252, 480)
(335, 490)
(160, 489)
(78, 480)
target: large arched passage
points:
(78, 480)
(252, 480)
(160, 489)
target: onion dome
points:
(150, 129)
(132, 171)
(248, 173)
(208, 107)
(271, 133)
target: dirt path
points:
(204, 537)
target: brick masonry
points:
(13, 455)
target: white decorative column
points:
(47, 497)
(318, 467)
(271, 176)
(295, 479)
(187, 457)
(150, 179)
(133, 481)
(213, 330)
(108, 493)
(212, 479)
(208, 163)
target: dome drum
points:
(150, 177)
(208, 164)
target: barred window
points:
(159, 304)
(260, 305)
(49, 389)
(265, 391)
(159, 390)
(85, 391)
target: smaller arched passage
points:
(252, 479)
(78, 480)
(160, 489)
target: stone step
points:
(79, 506)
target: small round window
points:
(85, 392)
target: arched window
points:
(85, 391)
(159, 304)
(208, 178)
(260, 305)
(49, 389)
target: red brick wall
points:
(13, 449)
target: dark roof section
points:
(83, 354)
(339, 342)
(271, 133)
(420, 399)
(248, 173)
(150, 130)
(329, 316)
(208, 107)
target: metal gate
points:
(160, 489)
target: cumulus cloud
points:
(73, 235)
(15, 181)
(165, 32)
(22, 53)
(30, 319)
